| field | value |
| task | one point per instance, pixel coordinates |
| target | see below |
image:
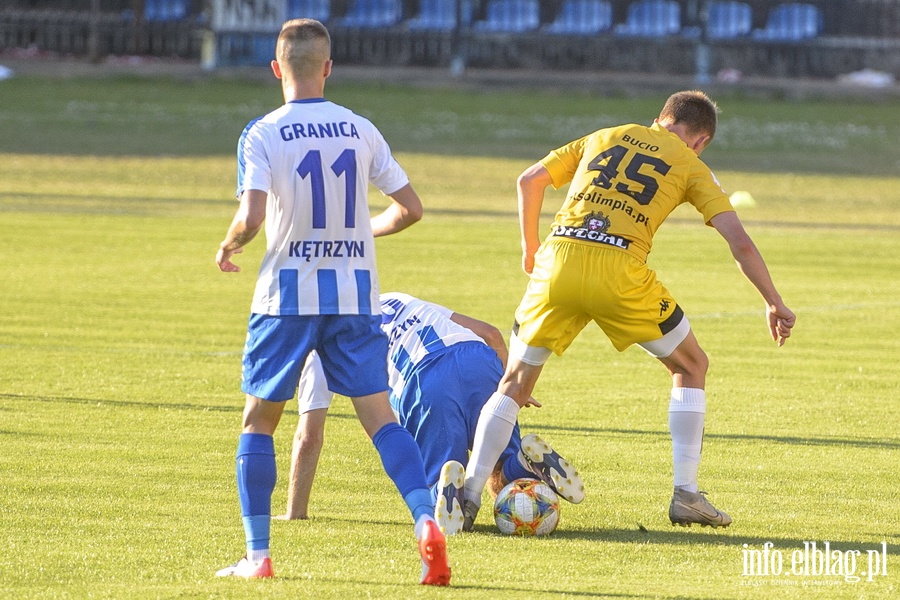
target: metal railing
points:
(853, 34)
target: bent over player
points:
(442, 367)
(624, 181)
(303, 172)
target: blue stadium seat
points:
(319, 10)
(581, 17)
(791, 22)
(166, 10)
(510, 16)
(372, 14)
(440, 15)
(728, 20)
(262, 48)
(651, 18)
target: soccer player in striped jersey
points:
(303, 172)
(442, 367)
(624, 181)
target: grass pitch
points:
(120, 354)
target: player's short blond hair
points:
(303, 47)
(693, 109)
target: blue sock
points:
(513, 469)
(403, 463)
(255, 481)
(420, 502)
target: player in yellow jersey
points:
(624, 181)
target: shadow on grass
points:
(59, 204)
(141, 205)
(717, 537)
(676, 536)
(237, 407)
(704, 537)
(529, 592)
(858, 442)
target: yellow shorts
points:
(573, 284)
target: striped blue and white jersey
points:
(315, 159)
(416, 330)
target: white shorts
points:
(314, 393)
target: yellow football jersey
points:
(625, 181)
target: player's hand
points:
(531, 402)
(223, 259)
(781, 320)
(527, 262)
(530, 247)
(528, 258)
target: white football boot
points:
(448, 510)
(553, 469)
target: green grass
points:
(120, 348)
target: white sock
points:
(256, 556)
(495, 426)
(420, 524)
(687, 412)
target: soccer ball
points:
(526, 507)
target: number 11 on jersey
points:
(311, 167)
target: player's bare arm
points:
(249, 219)
(404, 210)
(779, 317)
(490, 334)
(530, 188)
(492, 337)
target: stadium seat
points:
(728, 19)
(510, 16)
(791, 22)
(262, 48)
(651, 18)
(440, 15)
(581, 17)
(166, 10)
(319, 10)
(371, 14)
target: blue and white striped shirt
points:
(315, 159)
(417, 330)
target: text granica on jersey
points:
(310, 249)
(318, 130)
